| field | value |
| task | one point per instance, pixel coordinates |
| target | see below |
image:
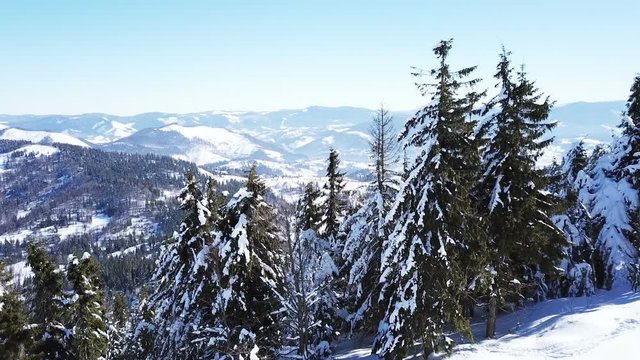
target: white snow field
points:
(603, 326)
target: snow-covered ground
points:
(603, 326)
(98, 221)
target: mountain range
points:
(285, 142)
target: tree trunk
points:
(491, 316)
(427, 349)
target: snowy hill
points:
(298, 136)
(200, 144)
(44, 137)
(603, 326)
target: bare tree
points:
(385, 151)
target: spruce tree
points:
(430, 218)
(180, 276)
(140, 341)
(248, 300)
(309, 212)
(627, 168)
(335, 204)
(47, 306)
(118, 326)
(523, 240)
(310, 300)
(89, 324)
(15, 337)
(365, 229)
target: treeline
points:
(458, 217)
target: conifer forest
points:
(455, 225)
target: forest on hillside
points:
(457, 219)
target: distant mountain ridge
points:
(299, 137)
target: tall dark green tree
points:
(15, 337)
(309, 211)
(182, 273)
(88, 322)
(248, 301)
(335, 203)
(46, 304)
(432, 217)
(523, 240)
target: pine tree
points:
(248, 300)
(118, 326)
(365, 229)
(309, 211)
(90, 340)
(47, 306)
(627, 168)
(309, 300)
(570, 182)
(15, 337)
(181, 275)
(335, 204)
(140, 341)
(421, 273)
(523, 240)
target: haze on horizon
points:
(129, 57)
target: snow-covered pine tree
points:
(628, 167)
(309, 299)
(118, 326)
(206, 273)
(365, 229)
(140, 340)
(248, 301)
(88, 321)
(180, 277)
(614, 204)
(574, 220)
(47, 305)
(431, 214)
(15, 337)
(523, 240)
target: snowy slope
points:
(44, 137)
(604, 326)
(35, 150)
(200, 144)
(226, 142)
(285, 136)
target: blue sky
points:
(130, 56)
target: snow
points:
(97, 222)
(41, 137)
(21, 271)
(19, 236)
(303, 141)
(33, 150)
(230, 142)
(603, 326)
(240, 232)
(129, 250)
(22, 213)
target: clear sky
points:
(130, 56)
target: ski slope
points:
(604, 326)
